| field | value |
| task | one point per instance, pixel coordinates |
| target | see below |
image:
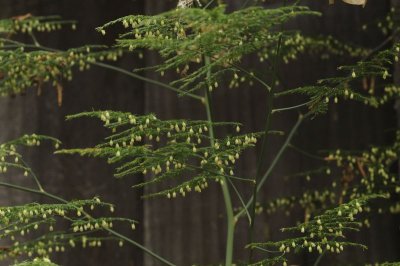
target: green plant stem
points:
(225, 189)
(155, 82)
(275, 161)
(282, 150)
(290, 108)
(260, 162)
(151, 253)
(264, 145)
(319, 258)
(316, 263)
(59, 199)
(240, 198)
(35, 41)
(306, 153)
(253, 76)
(39, 185)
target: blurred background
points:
(189, 231)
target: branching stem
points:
(290, 108)
(225, 189)
(275, 161)
(264, 145)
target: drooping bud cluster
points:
(163, 150)
(358, 83)
(28, 24)
(44, 261)
(386, 24)
(11, 158)
(347, 175)
(295, 44)
(187, 3)
(21, 69)
(187, 35)
(369, 172)
(323, 233)
(22, 224)
(311, 201)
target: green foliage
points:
(36, 262)
(11, 158)
(29, 24)
(385, 264)
(376, 70)
(24, 68)
(186, 36)
(167, 149)
(33, 228)
(350, 175)
(19, 222)
(203, 45)
(325, 232)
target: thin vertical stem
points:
(38, 184)
(275, 160)
(264, 145)
(258, 182)
(225, 188)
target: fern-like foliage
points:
(387, 24)
(37, 262)
(22, 68)
(188, 35)
(11, 158)
(28, 24)
(385, 264)
(369, 171)
(350, 175)
(20, 222)
(38, 229)
(365, 74)
(325, 232)
(172, 149)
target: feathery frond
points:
(185, 36)
(36, 262)
(28, 24)
(325, 232)
(171, 149)
(22, 68)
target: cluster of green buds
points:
(310, 201)
(21, 223)
(386, 24)
(366, 72)
(294, 44)
(28, 24)
(186, 36)
(368, 172)
(390, 93)
(11, 158)
(92, 224)
(43, 261)
(324, 232)
(22, 69)
(163, 150)
(384, 264)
